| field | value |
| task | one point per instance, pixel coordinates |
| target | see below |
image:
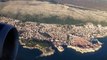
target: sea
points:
(67, 54)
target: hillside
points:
(47, 12)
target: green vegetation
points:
(40, 19)
(33, 43)
(50, 19)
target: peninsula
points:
(42, 36)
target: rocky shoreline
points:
(86, 50)
(38, 35)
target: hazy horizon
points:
(96, 4)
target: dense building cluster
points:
(59, 35)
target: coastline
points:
(44, 52)
(34, 34)
(86, 50)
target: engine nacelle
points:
(8, 42)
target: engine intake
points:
(8, 42)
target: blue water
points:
(27, 54)
(68, 54)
